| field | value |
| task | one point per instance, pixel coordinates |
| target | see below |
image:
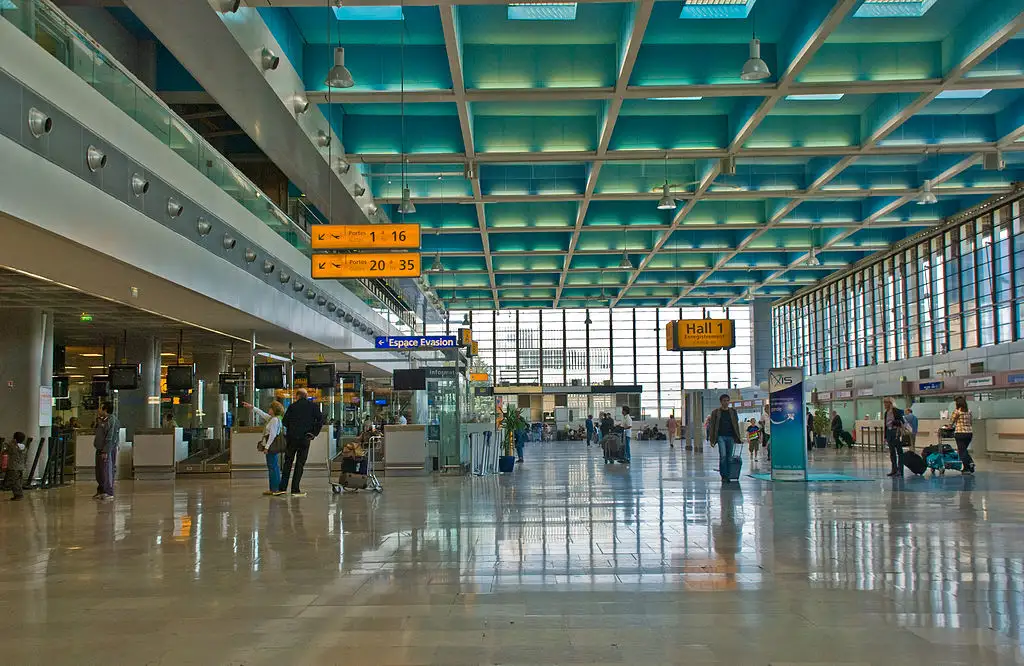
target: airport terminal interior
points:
(455, 332)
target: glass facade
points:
(958, 289)
(623, 346)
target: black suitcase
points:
(914, 462)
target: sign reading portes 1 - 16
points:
(365, 237)
(700, 335)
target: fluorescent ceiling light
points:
(716, 9)
(963, 94)
(92, 355)
(674, 99)
(546, 11)
(893, 8)
(816, 97)
(357, 13)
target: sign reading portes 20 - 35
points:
(700, 335)
(378, 265)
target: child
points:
(753, 438)
(17, 457)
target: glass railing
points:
(69, 44)
(66, 42)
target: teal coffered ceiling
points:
(537, 149)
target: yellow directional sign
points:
(366, 236)
(700, 335)
(382, 265)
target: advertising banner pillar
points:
(789, 431)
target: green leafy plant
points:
(512, 421)
(821, 421)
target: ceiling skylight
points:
(893, 8)
(368, 13)
(674, 99)
(542, 11)
(717, 9)
(816, 97)
(963, 94)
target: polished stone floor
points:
(565, 562)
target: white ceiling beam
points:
(453, 48)
(640, 17)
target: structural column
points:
(141, 408)
(24, 362)
(761, 339)
(208, 403)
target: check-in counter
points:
(157, 451)
(85, 454)
(405, 450)
(246, 460)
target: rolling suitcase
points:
(613, 448)
(914, 462)
(735, 467)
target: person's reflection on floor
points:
(727, 533)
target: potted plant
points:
(512, 421)
(821, 426)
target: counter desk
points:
(157, 452)
(405, 450)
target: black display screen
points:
(409, 380)
(320, 375)
(124, 377)
(270, 376)
(180, 377)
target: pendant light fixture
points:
(339, 76)
(437, 266)
(755, 69)
(927, 196)
(406, 207)
(667, 201)
(465, 320)
(625, 263)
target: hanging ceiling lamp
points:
(339, 76)
(407, 207)
(588, 321)
(927, 196)
(626, 263)
(755, 69)
(437, 266)
(465, 320)
(812, 258)
(667, 201)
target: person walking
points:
(963, 433)
(766, 429)
(627, 432)
(810, 430)
(723, 432)
(753, 438)
(302, 423)
(590, 428)
(271, 429)
(672, 428)
(894, 430)
(105, 441)
(838, 433)
(911, 420)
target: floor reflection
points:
(568, 560)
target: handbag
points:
(278, 445)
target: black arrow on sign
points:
(320, 237)
(322, 265)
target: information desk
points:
(248, 462)
(405, 450)
(157, 451)
(85, 454)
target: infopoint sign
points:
(788, 427)
(417, 342)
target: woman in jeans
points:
(963, 433)
(270, 431)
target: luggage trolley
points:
(357, 471)
(943, 455)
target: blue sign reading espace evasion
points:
(416, 342)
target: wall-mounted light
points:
(310, 294)
(227, 6)
(269, 60)
(174, 208)
(358, 190)
(250, 255)
(323, 139)
(284, 277)
(371, 209)
(343, 166)
(298, 286)
(331, 307)
(228, 243)
(203, 226)
(321, 301)
(95, 158)
(268, 266)
(139, 185)
(300, 104)
(39, 123)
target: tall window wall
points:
(624, 346)
(961, 288)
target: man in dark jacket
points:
(302, 423)
(105, 441)
(724, 432)
(893, 418)
(838, 434)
